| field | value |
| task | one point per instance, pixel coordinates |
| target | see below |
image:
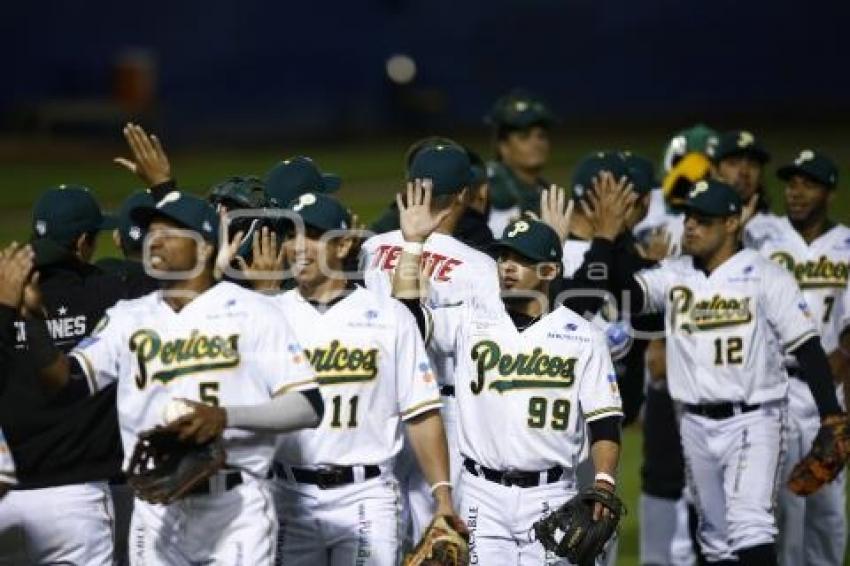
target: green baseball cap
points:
(447, 166)
(812, 164)
(321, 211)
(592, 166)
(532, 239)
(186, 210)
(519, 109)
(641, 172)
(696, 139)
(738, 142)
(63, 213)
(133, 234)
(295, 176)
(713, 198)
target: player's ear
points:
(733, 224)
(547, 271)
(206, 253)
(344, 245)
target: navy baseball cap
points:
(186, 210)
(132, 233)
(518, 110)
(594, 165)
(321, 211)
(813, 165)
(532, 239)
(295, 176)
(447, 166)
(738, 142)
(63, 213)
(641, 172)
(713, 198)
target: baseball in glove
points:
(571, 532)
(441, 545)
(164, 468)
(828, 456)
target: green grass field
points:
(372, 173)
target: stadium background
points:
(233, 88)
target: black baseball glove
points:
(164, 468)
(571, 532)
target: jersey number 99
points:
(538, 412)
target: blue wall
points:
(319, 67)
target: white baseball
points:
(175, 409)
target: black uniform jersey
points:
(60, 440)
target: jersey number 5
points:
(537, 413)
(209, 392)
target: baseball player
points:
(452, 269)
(664, 514)
(727, 311)
(226, 350)
(739, 158)
(520, 123)
(816, 251)
(337, 497)
(530, 385)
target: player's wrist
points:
(605, 481)
(413, 246)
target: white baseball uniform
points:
(455, 271)
(373, 373)
(724, 330)
(814, 528)
(524, 400)
(228, 346)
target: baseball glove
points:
(164, 468)
(830, 452)
(441, 545)
(571, 532)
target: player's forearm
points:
(815, 371)
(606, 456)
(428, 440)
(52, 365)
(406, 279)
(284, 413)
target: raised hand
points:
(16, 263)
(149, 162)
(556, 210)
(608, 205)
(33, 303)
(749, 209)
(227, 248)
(267, 258)
(658, 245)
(416, 218)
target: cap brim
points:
(144, 215)
(331, 182)
(109, 222)
(761, 155)
(787, 171)
(509, 245)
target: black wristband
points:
(159, 191)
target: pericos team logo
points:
(814, 274)
(509, 371)
(166, 360)
(690, 315)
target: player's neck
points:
(450, 222)
(526, 176)
(180, 293)
(719, 257)
(325, 291)
(811, 229)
